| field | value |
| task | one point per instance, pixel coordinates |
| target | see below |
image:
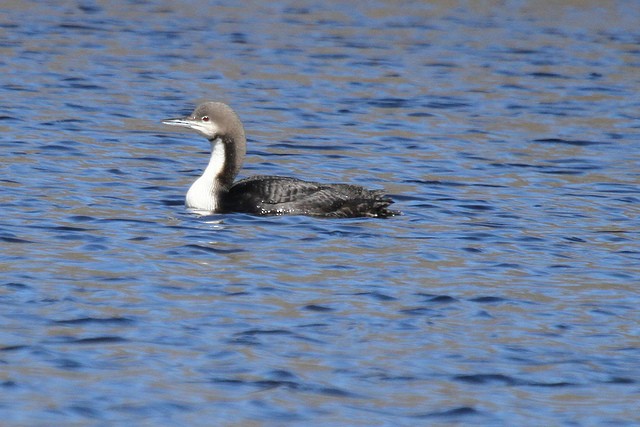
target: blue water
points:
(507, 293)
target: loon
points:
(216, 192)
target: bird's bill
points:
(182, 122)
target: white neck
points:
(203, 193)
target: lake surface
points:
(506, 294)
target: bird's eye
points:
(205, 118)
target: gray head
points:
(215, 120)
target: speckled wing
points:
(274, 195)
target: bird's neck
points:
(205, 193)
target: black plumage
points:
(276, 195)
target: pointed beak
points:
(206, 129)
(182, 122)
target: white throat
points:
(204, 192)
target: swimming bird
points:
(215, 191)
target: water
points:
(506, 294)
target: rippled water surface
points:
(507, 293)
